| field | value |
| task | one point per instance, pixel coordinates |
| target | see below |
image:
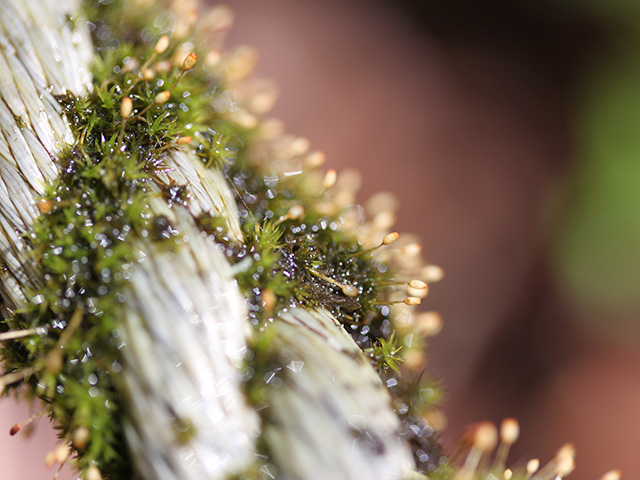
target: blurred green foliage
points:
(596, 250)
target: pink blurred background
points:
(469, 114)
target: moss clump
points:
(81, 243)
(81, 248)
(100, 204)
(303, 261)
(281, 263)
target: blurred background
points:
(510, 132)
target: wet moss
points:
(100, 203)
(82, 242)
(303, 260)
(82, 249)
(281, 264)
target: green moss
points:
(282, 266)
(81, 248)
(385, 354)
(293, 258)
(82, 242)
(282, 259)
(100, 203)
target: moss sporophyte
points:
(172, 217)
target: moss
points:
(283, 268)
(100, 204)
(82, 242)
(294, 257)
(282, 259)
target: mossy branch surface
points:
(84, 241)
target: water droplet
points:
(269, 376)
(295, 366)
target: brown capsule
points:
(329, 179)
(437, 419)
(349, 290)
(485, 436)
(411, 249)
(61, 453)
(45, 205)
(612, 475)
(509, 431)
(315, 159)
(418, 284)
(162, 44)
(148, 74)
(162, 97)
(129, 64)
(80, 437)
(189, 61)
(390, 238)
(432, 273)
(93, 473)
(296, 212)
(126, 107)
(49, 459)
(532, 466)
(269, 300)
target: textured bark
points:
(40, 56)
